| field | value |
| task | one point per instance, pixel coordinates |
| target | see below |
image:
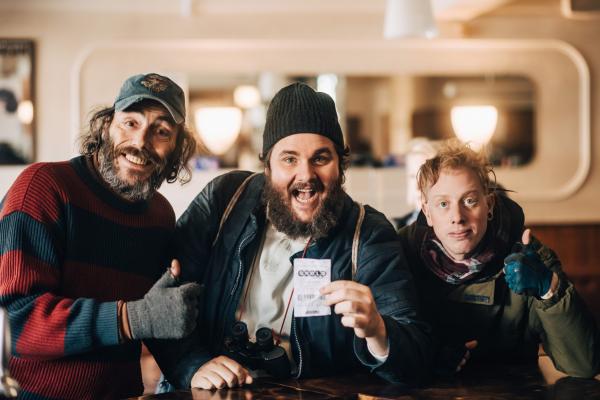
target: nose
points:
(456, 214)
(140, 137)
(305, 171)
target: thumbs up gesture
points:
(168, 311)
(525, 272)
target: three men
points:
(241, 236)
(82, 242)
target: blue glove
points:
(526, 273)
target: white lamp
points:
(246, 96)
(474, 124)
(218, 127)
(408, 18)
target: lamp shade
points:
(408, 18)
(218, 127)
(246, 96)
(474, 124)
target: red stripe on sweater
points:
(20, 272)
(30, 191)
(48, 320)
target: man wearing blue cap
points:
(83, 241)
(300, 280)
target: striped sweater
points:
(69, 249)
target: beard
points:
(281, 214)
(141, 189)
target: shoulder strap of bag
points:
(356, 239)
(231, 204)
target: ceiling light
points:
(408, 18)
(474, 124)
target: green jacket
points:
(506, 325)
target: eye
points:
(443, 204)
(321, 160)
(164, 133)
(470, 201)
(289, 160)
(129, 123)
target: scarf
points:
(502, 231)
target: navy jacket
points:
(321, 345)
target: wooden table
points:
(522, 382)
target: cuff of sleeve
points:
(106, 327)
(378, 358)
(557, 295)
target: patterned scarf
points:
(482, 262)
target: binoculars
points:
(264, 354)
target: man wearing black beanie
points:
(287, 253)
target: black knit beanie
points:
(297, 108)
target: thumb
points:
(526, 236)
(175, 268)
(167, 280)
(471, 344)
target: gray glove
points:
(167, 311)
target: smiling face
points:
(304, 186)
(136, 150)
(456, 206)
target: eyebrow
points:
(317, 152)
(444, 195)
(168, 119)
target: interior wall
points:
(63, 42)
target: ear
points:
(425, 209)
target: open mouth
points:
(304, 196)
(140, 161)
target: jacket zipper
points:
(231, 304)
(241, 265)
(297, 342)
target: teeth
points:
(304, 195)
(135, 160)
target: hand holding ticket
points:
(310, 275)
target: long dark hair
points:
(177, 165)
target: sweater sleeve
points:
(383, 267)
(44, 324)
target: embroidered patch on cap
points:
(155, 82)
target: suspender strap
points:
(232, 202)
(356, 239)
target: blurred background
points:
(518, 78)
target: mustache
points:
(314, 184)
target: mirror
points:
(228, 112)
(16, 102)
(562, 106)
